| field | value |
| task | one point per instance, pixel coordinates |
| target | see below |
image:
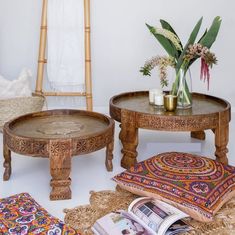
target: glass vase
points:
(182, 88)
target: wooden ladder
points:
(42, 60)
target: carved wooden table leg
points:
(109, 156)
(60, 168)
(221, 141)
(7, 162)
(129, 139)
(200, 135)
(120, 133)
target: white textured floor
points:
(88, 171)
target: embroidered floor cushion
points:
(21, 214)
(196, 185)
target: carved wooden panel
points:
(27, 146)
(94, 143)
(169, 123)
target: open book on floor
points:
(145, 216)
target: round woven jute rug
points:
(82, 218)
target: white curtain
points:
(66, 53)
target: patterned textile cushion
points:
(196, 185)
(21, 214)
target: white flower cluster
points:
(171, 36)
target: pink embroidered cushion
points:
(21, 214)
(196, 185)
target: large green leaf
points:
(166, 25)
(195, 31)
(191, 40)
(212, 33)
(203, 35)
(170, 49)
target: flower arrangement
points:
(182, 57)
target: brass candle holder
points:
(170, 102)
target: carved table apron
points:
(58, 135)
(133, 110)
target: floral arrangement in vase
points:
(182, 57)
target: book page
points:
(157, 215)
(178, 227)
(118, 223)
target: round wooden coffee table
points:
(133, 110)
(58, 135)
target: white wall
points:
(121, 42)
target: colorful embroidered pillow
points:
(21, 214)
(196, 185)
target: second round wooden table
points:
(133, 110)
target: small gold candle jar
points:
(170, 102)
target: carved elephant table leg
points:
(221, 141)
(200, 135)
(7, 162)
(129, 139)
(109, 156)
(60, 168)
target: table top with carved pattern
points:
(42, 127)
(59, 125)
(139, 102)
(206, 112)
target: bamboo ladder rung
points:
(51, 93)
(59, 93)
